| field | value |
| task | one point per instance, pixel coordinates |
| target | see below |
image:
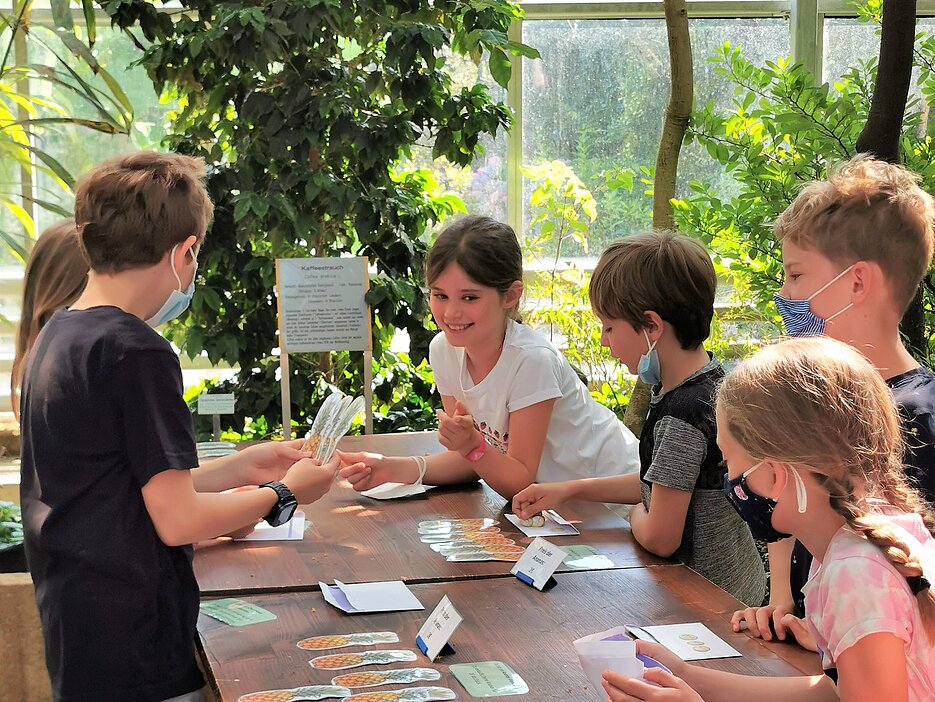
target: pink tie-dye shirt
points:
(856, 592)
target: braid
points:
(877, 532)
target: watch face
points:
(282, 513)
(288, 510)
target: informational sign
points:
(433, 637)
(216, 403)
(321, 304)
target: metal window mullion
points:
(804, 30)
(514, 139)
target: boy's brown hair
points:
(662, 271)
(867, 210)
(131, 209)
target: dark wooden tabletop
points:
(503, 620)
(355, 539)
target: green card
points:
(582, 557)
(489, 679)
(236, 612)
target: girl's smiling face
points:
(469, 313)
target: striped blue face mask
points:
(797, 316)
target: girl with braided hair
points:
(813, 448)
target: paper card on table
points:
(412, 694)
(320, 643)
(536, 565)
(608, 650)
(235, 612)
(388, 596)
(341, 661)
(489, 679)
(690, 642)
(583, 557)
(555, 525)
(433, 637)
(372, 678)
(293, 530)
(297, 694)
(393, 491)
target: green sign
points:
(489, 679)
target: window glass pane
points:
(597, 97)
(847, 41)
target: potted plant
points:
(12, 552)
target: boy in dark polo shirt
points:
(112, 493)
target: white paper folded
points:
(392, 491)
(600, 652)
(389, 596)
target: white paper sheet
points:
(392, 491)
(690, 642)
(555, 525)
(293, 530)
(388, 596)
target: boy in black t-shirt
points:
(112, 492)
(654, 296)
(854, 248)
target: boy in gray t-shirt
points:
(654, 296)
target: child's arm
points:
(538, 497)
(506, 473)
(874, 669)
(181, 515)
(713, 685)
(253, 465)
(780, 596)
(659, 530)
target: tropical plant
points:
(89, 97)
(11, 524)
(303, 111)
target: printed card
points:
(235, 612)
(690, 642)
(553, 524)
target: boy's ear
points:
(867, 280)
(185, 251)
(653, 324)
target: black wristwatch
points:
(285, 506)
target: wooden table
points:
(503, 620)
(355, 539)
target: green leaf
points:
(500, 67)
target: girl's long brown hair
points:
(56, 274)
(819, 403)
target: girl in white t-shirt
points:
(813, 447)
(514, 410)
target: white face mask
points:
(178, 300)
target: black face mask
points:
(756, 510)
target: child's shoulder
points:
(696, 390)
(108, 332)
(914, 391)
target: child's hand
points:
(537, 498)
(309, 480)
(268, 461)
(457, 432)
(364, 470)
(656, 684)
(762, 622)
(799, 631)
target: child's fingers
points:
(621, 688)
(460, 409)
(663, 678)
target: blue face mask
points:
(648, 368)
(756, 510)
(797, 316)
(178, 300)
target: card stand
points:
(445, 650)
(549, 584)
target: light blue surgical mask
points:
(648, 368)
(178, 300)
(797, 316)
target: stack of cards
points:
(469, 540)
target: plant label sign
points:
(321, 304)
(216, 403)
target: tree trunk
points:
(880, 136)
(678, 112)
